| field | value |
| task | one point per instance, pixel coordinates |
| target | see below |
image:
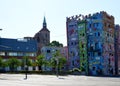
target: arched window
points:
(38, 39)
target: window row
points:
(17, 54)
(95, 25)
(73, 43)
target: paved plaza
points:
(52, 80)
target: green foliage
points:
(56, 43)
(40, 60)
(1, 62)
(61, 60)
(53, 62)
(13, 63)
(26, 61)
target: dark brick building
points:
(42, 37)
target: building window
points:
(88, 54)
(90, 25)
(71, 43)
(12, 53)
(75, 43)
(30, 54)
(48, 51)
(98, 34)
(96, 45)
(46, 35)
(99, 53)
(97, 24)
(19, 54)
(83, 34)
(95, 34)
(2, 53)
(82, 45)
(73, 63)
(83, 55)
(38, 39)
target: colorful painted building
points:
(73, 42)
(91, 41)
(108, 45)
(117, 50)
(100, 34)
(94, 43)
(82, 36)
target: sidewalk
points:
(52, 80)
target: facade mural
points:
(117, 50)
(72, 42)
(94, 35)
(99, 38)
(101, 51)
(108, 49)
(83, 46)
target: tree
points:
(13, 63)
(55, 43)
(26, 61)
(53, 63)
(58, 57)
(62, 62)
(40, 61)
(1, 62)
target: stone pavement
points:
(52, 80)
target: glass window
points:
(97, 24)
(20, 54)
(71, 43)
(48, 51)
(83, 34)
(12, 53)
(99, 53)
(82, 45)
(73, 63)
(98, 34)
(83, 55)
(90, 25)
(30, 54)
(38, 39)
(2, 53)
(95, 34)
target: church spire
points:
(44, 23)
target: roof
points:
(44, 29)
(18, 45)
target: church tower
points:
(43, 36)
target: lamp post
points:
(0, 29)
(25, 68)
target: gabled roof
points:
(44, 29)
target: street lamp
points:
(26, 68)
(0, 29)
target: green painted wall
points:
(82, 46)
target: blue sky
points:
(20, 18)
